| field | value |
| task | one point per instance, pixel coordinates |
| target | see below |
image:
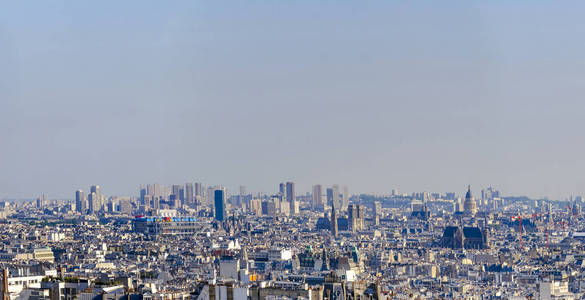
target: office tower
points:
(143, 192)
(80, 202)
(198, 189)
(198, 194)
(330, 196)
(95, 189)
(156, 190)
(291, 197)
(145, 198)
(336, 200)
(209, 196)
(219, 199)
(189, 194)
(242, 190)
(98, 198)
(93, 203)
(176, 196)
(182, 197)
(147, 203)
(155, 203)
(469, 206)
(317, 196)
(282, 191)
(345, 199)
(173, 201)
(175, 189)
(98, 194)
(111, 205)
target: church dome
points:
(469, 206)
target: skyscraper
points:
(345, 199)
(198, 197)
(291, 197)
(154, 190)
(93, 203)
(219, 199)
(96, 198)
(143, 193)
(189, 194)
(330, 196)
(210, 196)
(336, 200)
(198, 189)
(176, 196)
(95, 189)
(282, 191)
(317, 194)
(80, 202)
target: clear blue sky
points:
(414, 95)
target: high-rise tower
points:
(317, 194)
(330, 196)
(96, 201)
(336, 199)
(219, 199)
(291, 197)
(345, 198)
(189, 194)
(80, 202)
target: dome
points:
(469, 206)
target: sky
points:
(375, 95)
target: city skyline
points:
(169, 188)
(292, 150)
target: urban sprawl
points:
(192, 241)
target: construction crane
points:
(519, 218)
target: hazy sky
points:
(414, 95)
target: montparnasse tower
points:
(469, 206)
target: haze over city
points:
(374, 95)
(292, 150)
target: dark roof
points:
(472, 232)
(499, 268)
(450, 231)
(468, 195)
(423, 215)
